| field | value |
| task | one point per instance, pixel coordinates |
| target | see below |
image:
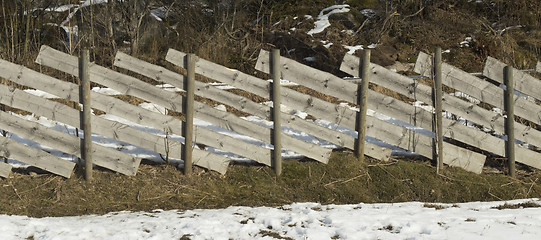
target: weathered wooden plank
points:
(114, 106)
(524, 82)
(35, 157)
(122, 83)
(5, 169)
(477, 88)
(389, 79)
(538, 67)
(342, 116)
(485, 92)
(62, 113)
(229, 76)
(202, 89)
(381, 103)
(105, 157)
(162, 74)
(310, 77)
(231, 122)
(132, 86)
(421, 144)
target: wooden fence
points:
(409, 138)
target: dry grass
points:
(344, 180)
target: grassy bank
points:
(344, 180)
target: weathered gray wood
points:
(134, 87)
(114, 106)
(290, 98)
(510, 120)
(229, 76)
(309, 104)
(438, 111)
(62, 113)
(5, 170)
(105, 157)
(421, 144)
(202, 89)
(84, 98)
(312, 78)
(379, 102)
(131, 86)
(524, 82)
(389, 79)
(187, 125)
(486, 92)
(231, 122)
(276, 113)
(346, 117)
(538, 67)
(458, 131)
(362, 92)
(35, 157)
(205, 90)
(124, 84)
(477, 88)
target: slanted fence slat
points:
(106, 157)
(524, 82)
(477, 88)
(484, 91)
(421, 144)
(290, 98)
(12, 149)
(5, 169)
(208, 91)
(62, 113)
(114, 106)
(132, 86)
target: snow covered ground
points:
(412, 220)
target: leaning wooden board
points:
(319, 80)
(131, 86)
(117, 107)
(524, 82)
(5, 169)
(485, 92)
(290, 98)
(105, 157)
(12, 149)
(59, 112)
(452, 129)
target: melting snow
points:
(322, 21)
(412, 220)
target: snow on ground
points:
(322, 21)
(413, 220)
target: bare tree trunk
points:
(6, 29)
(27, 28)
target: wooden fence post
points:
(84, 98)
(277, 128)
(188, 105)
(362, 90)
(510, 120)
(437, 126)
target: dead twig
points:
(344, 181)
(531, 186)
